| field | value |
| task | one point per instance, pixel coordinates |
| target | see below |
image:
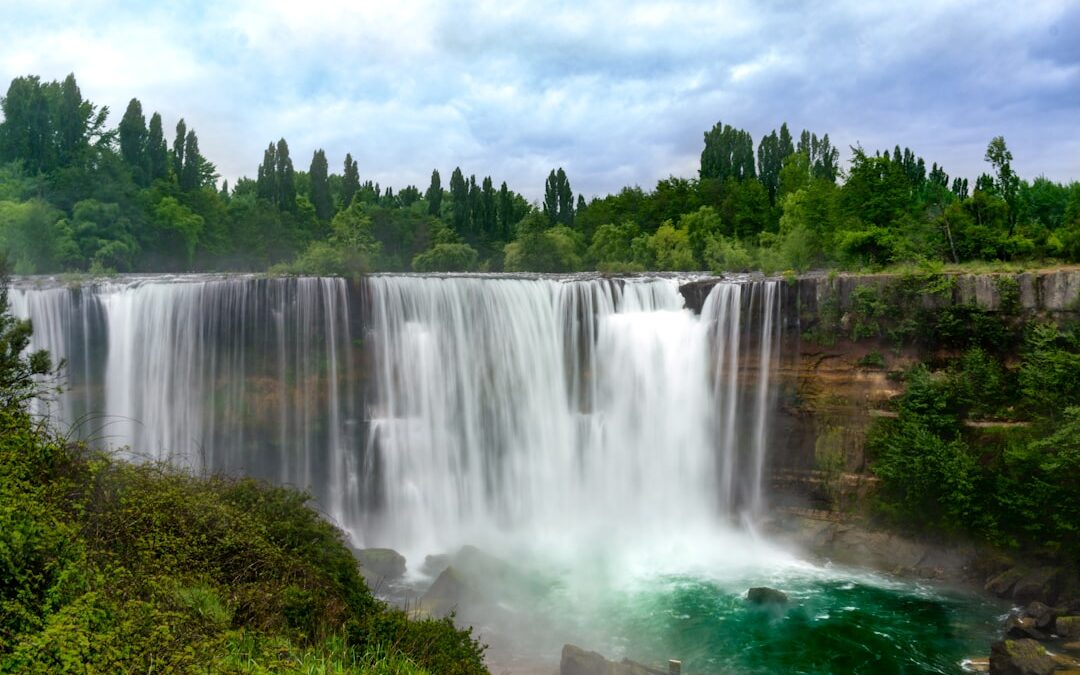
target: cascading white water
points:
(553, 406)
(240, 374)
(547, 406)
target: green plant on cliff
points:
(1014, 485)
(107, 566)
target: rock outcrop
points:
(577, 661)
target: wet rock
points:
(435, 564)
(1068, 627)
(1020, 657)
(1018, 627)
(1040, 583)
(1002, 584)
(577, 661)
(1043, 614)
(451, 592)
(763, 595)
(380, 563)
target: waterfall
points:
(239, 375)
(604, 408)
(427, 411)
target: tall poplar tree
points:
(133, 142)
(434, 193)
(286, 178)
(178, 148)
(319, 185)
(350, 181)
(157, 151)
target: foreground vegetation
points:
(986, 436)
(79, 195)
(107, 566)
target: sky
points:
(616, 93)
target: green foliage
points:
(784, 211)
(727, 255)
(612, 243)
(446, 258)
(924, 476)
(1011, 485)
(1050, 373)
(669, 248)
(542, 249)
(868, 311)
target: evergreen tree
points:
(580, 206)
(434, 193)
(134, 142)
(320, 186)
(156, 149)
(350, 181)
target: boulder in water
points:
(1043, 614)
(763, 595)
(377, 564)
(577, 661)
(1020, 657)
(1018, 627)
(435, 564)
(452, 591)
(1068, 626)
(1040, 583)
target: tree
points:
(446, 257)
(459, 203)
(157, 152)
(178, 148)
(350, 181)
(266, 182)
(551, 198)
(728, 153)
(540, 248)
(286, 178)
(670, 247)
(192, 172)
(434, 194)
(1006, 182)
(134, 142)
(488, 214)
(320, 186)
(566, 198)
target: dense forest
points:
(77, 194)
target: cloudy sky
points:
(618, 93)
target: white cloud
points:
(617, 92)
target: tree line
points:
(77, 195)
